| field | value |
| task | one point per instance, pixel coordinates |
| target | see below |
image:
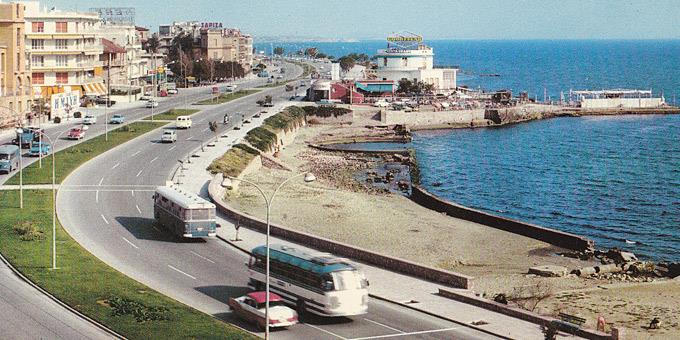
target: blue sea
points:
(613, 179)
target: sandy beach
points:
(338, 207)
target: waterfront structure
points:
(615, 98)
(15, 81)
(406, 57)
(350, 91)
(64, 49)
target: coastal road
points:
(106, 206)
(28, 314)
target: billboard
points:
(63, 104)
(118, 15)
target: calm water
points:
(610, 178)
(532, 65)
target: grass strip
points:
(88, 284)
(226, 97)
(172, 114)
(72, 157)
(234, 161)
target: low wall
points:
(554, 237)
(628, 103)
(518, 313)
(423, 118)
(452, 279)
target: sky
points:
(434, 19)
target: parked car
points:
(183, 122)
(230, 88)
(25, 138)
(251, 307)
(145, 97)
(9, 158)
(89, 119)
(279, 77)
(381, 103)
(168, 136)
(104, 100)
(151, 103)
(172, 91)
(117, 119)
(38, 148)
(76, 133)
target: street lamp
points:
(19, 132)
(308, 177)
(54, 200)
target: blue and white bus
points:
(319, 283)
(183, 213)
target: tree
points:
(346, 63)
(528, 297)
(405, 86)
(278, 50)
(261, 66)
(321, 55)
(311, 51)
(229, 69)
(151, 45)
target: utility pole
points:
(108, 99)
(153, 83)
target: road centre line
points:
(136, 153)
(132, 192)
(115, 166)
(172, 148)
(189, 138)
(406, 334)
(140, 172)
(130, 243)
(386, 326)
(100, 181)
(96, 196)
(206, 129)
(201, 256)
(325, 331)
(179, 271)
(104, 218)
(138, 210)
(153, 160)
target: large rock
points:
(549, 271)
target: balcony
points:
(81, 49)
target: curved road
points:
(106, 206)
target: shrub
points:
(325, 111)
(233, 161)
(264, 137)
(141, 313)
(57, 120)
(77, 114)
(28, 231)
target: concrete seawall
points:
(554, 237)
(448, 278)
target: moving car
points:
(168, 136)
(151, 103)
(183, 122)
(38, 148)
(9, 158)
(230, 88)
(25, 138)
(145, 97)
(76, 133)
(117, 119)
(104, 100)
(173, 91)
(251, 307)
(89, 119)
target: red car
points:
(252, 305)
(76, 133)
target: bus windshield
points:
(4, 156)
(347, 280)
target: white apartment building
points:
(63, 49)
(406, 57)
(129, 67)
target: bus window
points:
(200, 214)
(327, 282)
(346, 280)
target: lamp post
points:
(54, 200)
(309, 177)
(19, 131)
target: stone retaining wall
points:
(452, 279)
(554, 237)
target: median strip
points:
(88, 284)
(172, 114)
(226, 97)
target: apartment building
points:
(122, 43)
(15, 81)
(227, 44)
(64, 49)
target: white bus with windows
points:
(319, 283)
(183, 213)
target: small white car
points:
(151, 103)
(183, 122)
(172, 91)
(230, 88)
(168, 136)
(89, 119)
(381, 103)
(251, 307)
(145, 97)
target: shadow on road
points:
(223, 293)
(147, 229)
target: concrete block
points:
(549, 271)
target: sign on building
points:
(211, 25)
(117, 15)
(63, 104)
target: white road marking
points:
(172, 148)
(130, 243)
(139, 210)
(96, 196)
(108, 190)
(206, 129)
(104, 218)
(132, 192)
(153, 160)
(100, 181)
(386, 326)
(405, 334)
(115, 166)
(136, 153)
(179, 271)
(189, 138)
(325, 331)
(140, 172)
(203, 257)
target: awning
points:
(94, 89)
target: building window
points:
(384, 61)
(38, 27)
(62, 26)
(38, 78)
(18, 36)
(38, 60)
(62, 77)
(38, 44)
(62, 60)
(18, 61)
(61, 44)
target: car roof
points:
(8, 148)
(76, 128)
(260, 297)
(183, 117)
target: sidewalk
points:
(409, 291)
